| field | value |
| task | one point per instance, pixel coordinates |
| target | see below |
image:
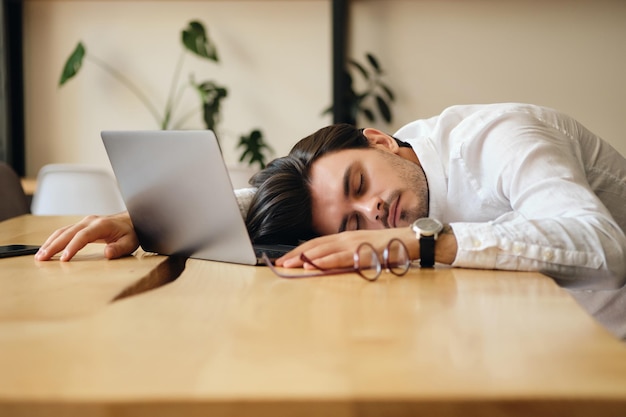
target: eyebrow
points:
(346, 192)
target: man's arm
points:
(337, 250)
(532, 175)
(445, 246)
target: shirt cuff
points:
(477, 245)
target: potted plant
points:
(374, 97)
(195, 40)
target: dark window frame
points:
(12, 148)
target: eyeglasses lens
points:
(366, 262)
(397, 257)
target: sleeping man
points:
(501, 186)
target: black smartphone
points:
(17, 250)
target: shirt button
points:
(548, 255)
(518, 248)
(477, 243)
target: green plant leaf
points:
(388, 91)
(361, 102)
(383, 108)
(360, 97)
(374, 62)
(211, 96)
(254, 148)
(369, 115)
(73, 63)
(196, 40)
(361, 69)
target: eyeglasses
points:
(367, 262)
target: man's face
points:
(366, 189)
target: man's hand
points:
(336, 251)
(116, 231)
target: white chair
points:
(68, 189)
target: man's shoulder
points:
(459, 113)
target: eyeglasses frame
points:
(384, 263)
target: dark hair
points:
(280, 211)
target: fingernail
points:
(64, 255)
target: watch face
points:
(427, 226)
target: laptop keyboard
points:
(272, 251)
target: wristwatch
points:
(427, 230)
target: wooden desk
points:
(229, 340)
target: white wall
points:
(274, 55)
(570, 55)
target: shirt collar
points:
(430, 160)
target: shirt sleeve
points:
(556, 224)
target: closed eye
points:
(360, 189)
(354, 185)
(359, 183)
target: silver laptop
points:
(179, 195)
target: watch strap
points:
(427, 251)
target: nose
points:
(372, 209)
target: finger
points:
(289, 262)
(73, 238)
(73, 246)
(325, 255)
(292, 259)
(66, 232)
(54, 236)
(99, 229)
(334, 260)
(122, 247)
(57, 241)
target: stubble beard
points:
(414, 179)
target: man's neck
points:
(408, 153)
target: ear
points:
(381, 140)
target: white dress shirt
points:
(527, 188)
